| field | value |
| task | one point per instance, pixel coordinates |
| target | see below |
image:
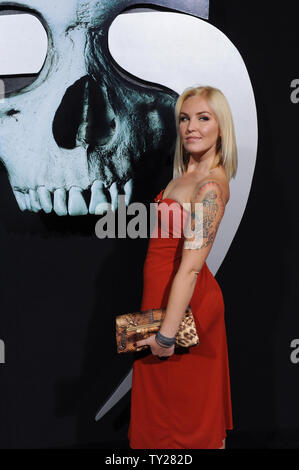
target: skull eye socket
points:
(23, 48)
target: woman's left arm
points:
(205, 218)
(206, 215)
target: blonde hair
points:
(226, 153)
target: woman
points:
(183, 400)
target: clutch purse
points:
(132, 327)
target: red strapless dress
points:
(185, 401)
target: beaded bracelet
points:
(164, 341)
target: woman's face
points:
(198, 125)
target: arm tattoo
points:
(205, 220)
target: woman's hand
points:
(156, 349)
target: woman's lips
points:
(193, 138)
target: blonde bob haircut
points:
(226, 153)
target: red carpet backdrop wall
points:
(87, 95)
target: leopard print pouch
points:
(132, 327)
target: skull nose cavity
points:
(101, 119)
(84, 116)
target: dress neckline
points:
(168, 199)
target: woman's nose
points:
(190, 125)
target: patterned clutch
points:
(132, 327)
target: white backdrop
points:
(23, 44)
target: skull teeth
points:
(72, 202)
(45, 199)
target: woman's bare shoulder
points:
(186, 187)
(217, 177)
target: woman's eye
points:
(183, 118)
